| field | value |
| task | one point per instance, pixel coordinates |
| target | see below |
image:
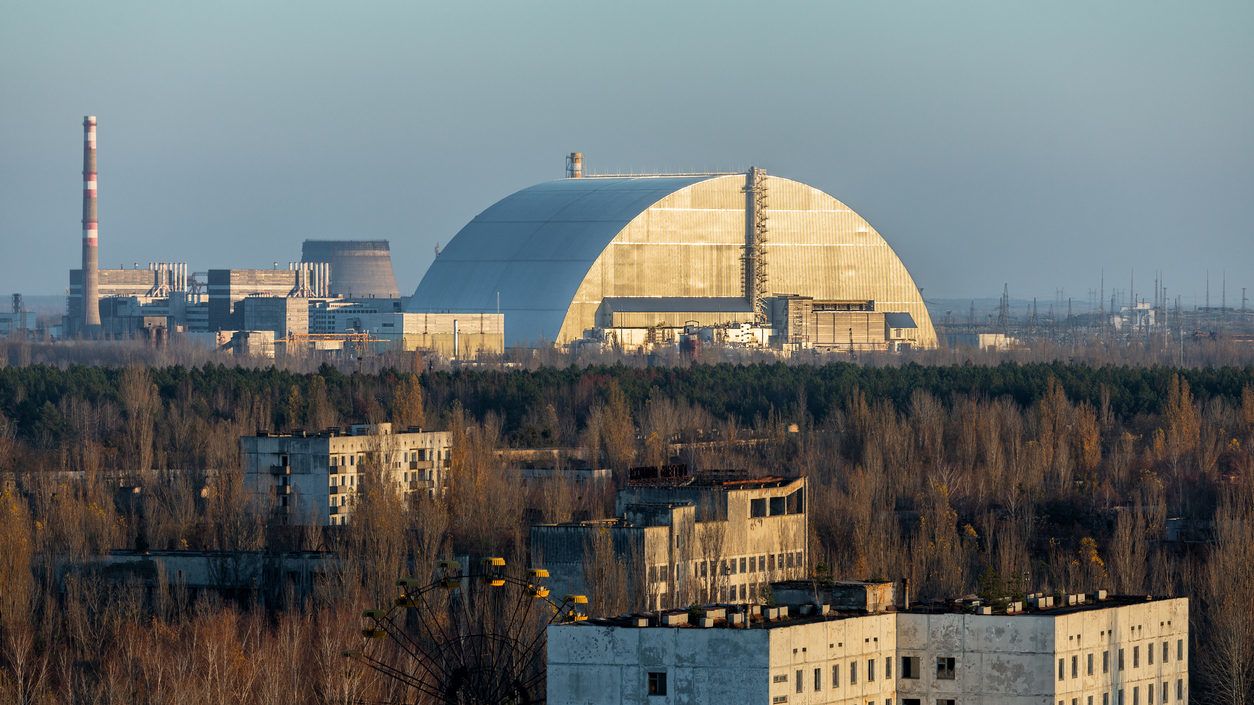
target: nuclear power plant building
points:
(625, 256)
(360, 269)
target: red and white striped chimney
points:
(91, 253)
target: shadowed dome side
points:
(533, 249)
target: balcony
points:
(336, 489)
(280, 469)
(333, 510)
(283, 489)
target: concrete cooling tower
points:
(360, 269)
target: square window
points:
(910, 667)
(657, 682)
(945, 668)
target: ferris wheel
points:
(470, 637)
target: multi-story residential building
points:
(818, 647)
(687, 539)
(314, 478)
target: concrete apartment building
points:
(1104, 650)
(315, 478)
(687, 539)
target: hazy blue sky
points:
(1029, 142)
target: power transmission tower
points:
(1003, 308)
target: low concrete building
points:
(452, 335)
(685, 539)
(316, 478)
(239, 574)
(1100, 651)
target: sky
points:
(1035, 143)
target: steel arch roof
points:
(533, 248)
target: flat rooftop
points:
(680, 476)
(733, 616)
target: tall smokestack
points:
(574, 165)
(91, 253)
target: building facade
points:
(316, 478)
(1096, 652)
(705, 538)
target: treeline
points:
(41, 402)
(996, 480)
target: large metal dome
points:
(550, 254)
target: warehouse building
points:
(815, 646)
(612, 257)
(685, 539)
(315, 478)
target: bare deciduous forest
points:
(994, 480)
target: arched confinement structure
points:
(552, 254)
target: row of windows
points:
(1136, 659)
(407, 476)
(1164, 695)
(422, 454)
(851, 675)
(732, 566)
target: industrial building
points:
(360, 269)
(687, 538)
(315, 478)
(815, 646)
(621, 258)
(449, 334)
(228, 287)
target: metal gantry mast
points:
(754, 260)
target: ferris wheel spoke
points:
(401, 638)
(398, 675)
